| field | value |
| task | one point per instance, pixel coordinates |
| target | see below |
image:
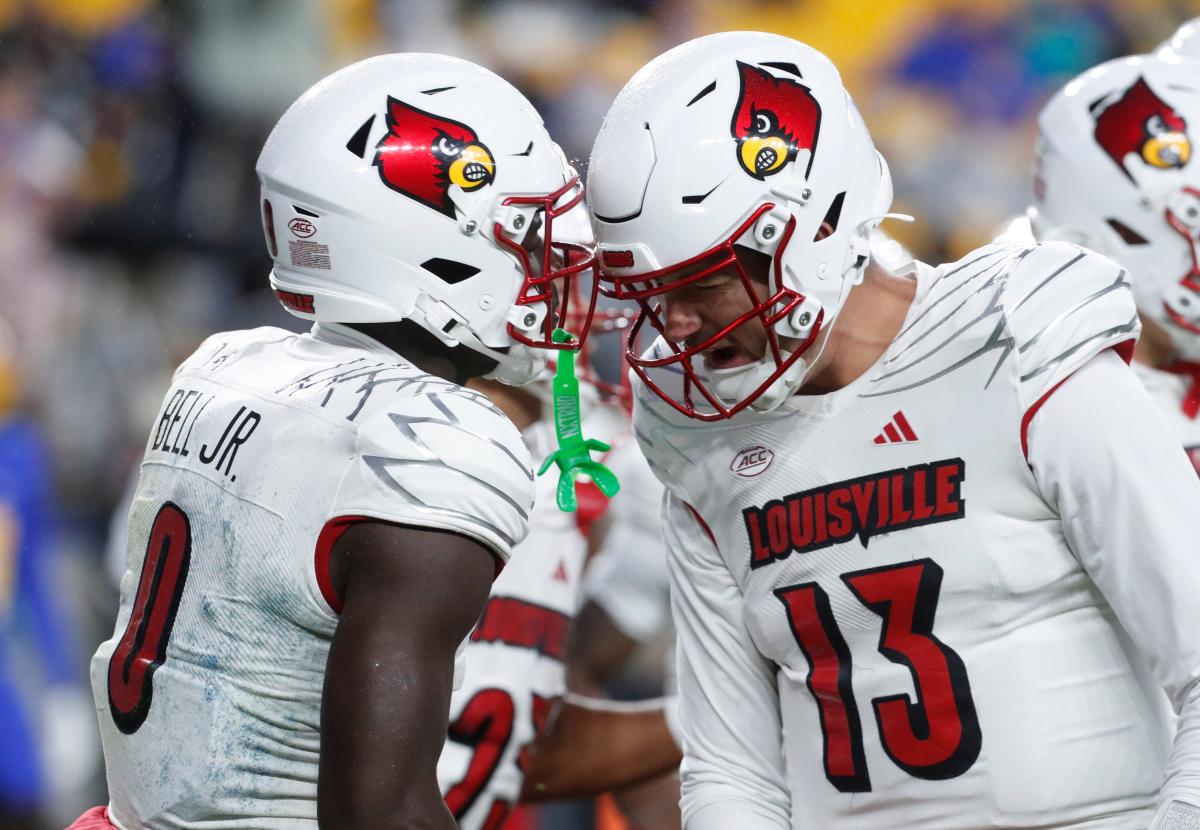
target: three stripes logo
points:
(897, 431)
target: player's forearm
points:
(745, 814)
(597, 649)
(381, 738)
(419, 810)
(597, 746)
(410, 597)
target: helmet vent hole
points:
(448, 270)
(832, 216)
(784, 66)
(269, 227)
(527, 150)
(358, 142)
(435, 90)
(1127, 234)
(305, 212)
(697, 199)
(702, 93)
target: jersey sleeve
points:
(1064, 305)
(628, 576)
(446, 460)
(1104, 456)
(733, 769)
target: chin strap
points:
(573, 455)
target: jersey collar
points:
(339, 334)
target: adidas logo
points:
(897, 431)
(560, 573)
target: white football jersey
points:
(880, 621)
(627, 576)
(268, 445)
(1169, 390)
(515, 670)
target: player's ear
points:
(825, 230)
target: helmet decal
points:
(775, 119)
(423, 154)
(1140, 122)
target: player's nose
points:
(681, 316)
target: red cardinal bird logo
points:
(423, 154)
(1141, 122)
(774, 120)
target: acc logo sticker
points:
(752, 461)
(302, 227)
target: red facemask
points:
(553, 270)
(697, 400)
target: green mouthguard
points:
(573, 455)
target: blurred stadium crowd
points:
(129, 226)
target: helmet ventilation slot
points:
(1128, 234)
(448, 270)
(703, 92)
(832, 216)
(358, 142)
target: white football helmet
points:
(1185, 43)
(425, 188)
(1115, 172)
(740, 138)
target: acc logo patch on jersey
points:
(752, 461)
(774, 120)
(423, 154)
(1142, 123)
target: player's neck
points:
(867, 324)
(521, 407)
(426, 352)
(1154, 345)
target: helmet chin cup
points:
(519, 366)
(733, 385)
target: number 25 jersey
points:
(269, 444)
(925, 649)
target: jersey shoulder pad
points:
(221, 348)
(445, 459)
(1064, 305)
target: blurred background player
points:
(45, 716)
(622, 640)
(319, 517)
(899, 552)
(515, 683)
(1115, 173)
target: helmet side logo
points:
(775, 119)
(1142, 123)
(423, 154)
